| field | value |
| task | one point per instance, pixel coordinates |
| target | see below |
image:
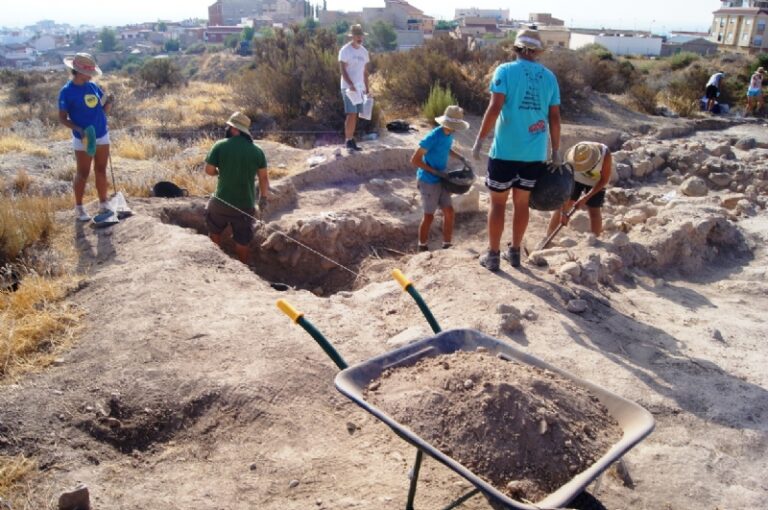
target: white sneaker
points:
(81, 214)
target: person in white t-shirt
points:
(353, 61)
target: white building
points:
(500, 15)
(619, 43)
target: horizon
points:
(684, 15)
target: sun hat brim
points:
(240, 127)
(70, 63)
(456, 125)
(584, 166)
(364, 34)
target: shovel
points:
(551, 236)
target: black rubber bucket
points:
(553, 187)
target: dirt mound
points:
(525, 430)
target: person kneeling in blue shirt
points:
(431, 159)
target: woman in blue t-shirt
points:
(83, 108)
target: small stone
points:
(351, 428)
(77, 499)
(58, 362)
(591, 240)
(543, 427)
(510, 322)
(635, 217)
(659, 283)
(720, 179)
(253, 466)
(468, 384)
(567, 242)
(572, 269)
(619, 239)
(374, 386)
(694, 187)
(577, 306)
(504, 308)
(293, 484)
(88, 409)
(717, 335)
(530, 315)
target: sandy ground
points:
(189, 389)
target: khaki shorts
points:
(218, 215)
(433, 196)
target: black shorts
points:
(218, 215)
(597, 200)
(711, 92)
(504, 174)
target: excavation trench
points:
(325, 253)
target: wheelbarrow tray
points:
(635, 421)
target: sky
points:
(657, 15)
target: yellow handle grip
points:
(401, 279)
(289, 310)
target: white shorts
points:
(77, 143)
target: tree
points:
(172, 45)
(161, 72)
(231, 41)
(445, 25)
(325, 5)
(108, 40)
(161, 27)
(310, 25)
(247, 34)
(382, 37)
(79, 41)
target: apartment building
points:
(739, 26)
(231, 12)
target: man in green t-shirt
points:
(237, 161)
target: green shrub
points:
(643, 98)
(294, 77)
(161, 72)
(195, 49)
(682, 60)
(439, 99)
(597, 50)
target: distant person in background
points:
(83, 106)
(712, 90)
(592, 166)
(236, 160)
(755, 99)
(353, 61)
(431, 159)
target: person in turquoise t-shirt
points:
(525, 109)
(237, 161)
(82, 105)
(431, 159)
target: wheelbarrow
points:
(635, 422)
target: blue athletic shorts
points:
(349, 106)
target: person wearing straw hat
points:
(592, 167)
(83, 108)
(353, 62)
(524, 113)
(237, 161)
(755, 92)
(431, 159)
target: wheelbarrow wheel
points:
(586, 501)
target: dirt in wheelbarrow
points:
(525, 430)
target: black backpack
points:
(399, 126)
(167, 189)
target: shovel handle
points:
(401, 279)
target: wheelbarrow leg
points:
(414, 475)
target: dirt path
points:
(189, 389)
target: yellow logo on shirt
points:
(91, 100)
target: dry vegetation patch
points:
(10, 142)
(14, 471)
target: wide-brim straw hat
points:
(760, 70)
(240, 121)
(83, 63)
(529, 39)
(583, 156)
(356, 30)
(453, 118)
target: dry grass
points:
(14, 143)
(35, 322)
(144, 147)
(22, 182)
(13, 473)
(24, 220)
(199, 104)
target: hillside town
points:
(738, 26)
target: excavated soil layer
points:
(525, 430)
